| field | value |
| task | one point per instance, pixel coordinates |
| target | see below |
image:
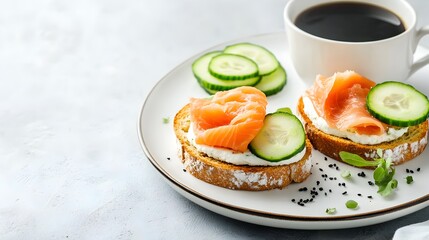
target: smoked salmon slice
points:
(230, 119)
(341, 101)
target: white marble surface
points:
(73, 76)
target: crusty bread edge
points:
(238, 177)
(399, 150)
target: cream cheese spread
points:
(238, 158)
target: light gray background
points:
(73, 76)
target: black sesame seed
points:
(344, 193)
(320, 189)
(306, 201)
(339, 184)
(335, 178)
(318, 182)
(314, 188)
(317, 163)
(293, 199)
(337, 168)
(370, 197)
(331, 178)
(168, 158)
(360, 195)
(418, 169)
(326, 159)
(313, 196)
(311, 199)
(330, 165)
(343, 184)
(184, 170)
(330, 190)
(320, 169)
(370, 183)
(411, 171)
(407, 170)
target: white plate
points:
(275, 207)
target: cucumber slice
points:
(274, 82)
(200, 68)
(266, 61)
(397, 104)
(281, 137)
(233, 67)
(211, 92)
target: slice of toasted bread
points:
(403, 149)
(240, 177)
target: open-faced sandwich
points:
(348, 112)
(230, 141)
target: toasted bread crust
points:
(239, 177)
(401, 150)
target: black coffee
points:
(350, 22)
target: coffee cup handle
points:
(423, 61)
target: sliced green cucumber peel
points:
(210, 73)
(273, 83)
(281, 137)
(397, 104)
(209, 82)
(266, 61)
(233, 67)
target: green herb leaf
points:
(346, 174)
(356, 160)
(380, 153)
(387, 189)
(388, 163)
(409, 179)
(383, 177)
(165, 120)
(331, 210)
(379, 174)
(285, 109)
(383, 174)
(351, 204)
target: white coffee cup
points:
(389, 59)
